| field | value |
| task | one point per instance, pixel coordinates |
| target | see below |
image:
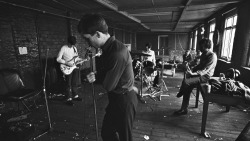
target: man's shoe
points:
(179, 95)
(180, 112)
(70, 102)
(77, 98)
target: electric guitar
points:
(66, 70)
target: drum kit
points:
(143, 71)
(146, 67)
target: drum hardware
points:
(136, 68)
(139, 73)
(146, 68)
(140, 54)
(162, 86)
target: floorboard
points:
(154, 120)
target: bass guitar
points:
(66, 70)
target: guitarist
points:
(65, 55)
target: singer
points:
(118, 81)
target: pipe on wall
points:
(38, 10)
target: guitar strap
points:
(74, 52)
(74, 49)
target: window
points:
(191, 41)
(228, 37)
(202, 32)
(195, 39)
(211, 33)
(248, 64)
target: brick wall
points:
(40, 33)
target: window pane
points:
(225, 44)
(211, 38)
(195, 40)
(235, 20)
(212, 27)
(229, 22)
(228, 37)
(191, 42)
(231, 44)
(211, 33)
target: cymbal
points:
(140, 54)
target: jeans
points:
(73, 82)
(187, 86)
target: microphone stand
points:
(93, 95)
(50, 129)
(45, 97)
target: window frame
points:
(211, 32)
(195, 39)
(231, 29)
(191, 40)
(248, 58)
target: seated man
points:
(187, 57)
(199, 74)
(196, 60)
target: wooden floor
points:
(154, 120)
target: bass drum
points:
(136, 67)
(148, 67)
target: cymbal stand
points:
(141, 79)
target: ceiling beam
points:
(152, 14)
(166, 5)
(215, 2)
(182, 12)
(183, 23)
(114, 7)
(162, 23)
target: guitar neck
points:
(83, 60)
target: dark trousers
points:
(187, 86)
(72, 82)
(118, 120)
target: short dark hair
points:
(149, 45)
(90, 23)
(72, 40)
(206, 42)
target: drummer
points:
(150, 52)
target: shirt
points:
(66, 53)
(208, 61)
(150, 58)
(118, 70)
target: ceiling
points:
(144, 15)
